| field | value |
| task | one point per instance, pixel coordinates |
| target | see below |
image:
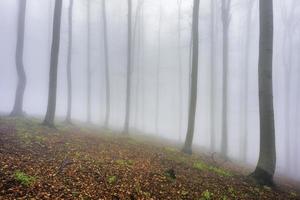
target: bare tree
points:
(288, 17)
(226, 6)
(194, 81)
(212, 73)
(157, 101)
(265, 168)
(18, 106)
(88, 69)
(69, 61)
(106, 62)
(180, 88)
(49, 118)
(245, 90)
(129, 70)
(136, 58)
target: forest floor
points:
(72, 162)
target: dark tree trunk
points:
(129, 70)
(69, 62)
(106, 62)
(18, 106)
(49, 118)
(194, 81)
(265, 168)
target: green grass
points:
(23, 178)
(204, 167)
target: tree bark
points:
(106, 62)
(49, 118)
(129, 70)
(157, 101)
(18, 105)
(69, 62)
(194, 81)
(245, 91)
(180, 89)
(226, 20)
(212, 75)
(88, 70)
(265, 168)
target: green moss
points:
(206, 195)
(23, 178)
(204, 167)
(124, 162)
(112, 179)
(170, 149)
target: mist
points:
(159, 70)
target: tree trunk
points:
(246, 84)
(157, 101)
(129, 72)
(265, 168)
(69, 62)
(88, 71)
(194, 81)
(180, 89)
(18, 106)
(212, 75)
(226, 20)
(136, 48)
(49, 118)
(106, 62)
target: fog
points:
(156, 51)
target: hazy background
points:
(38, 29)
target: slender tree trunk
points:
(69, 61)
(143, 83)
(129, 70)
(212, 75)
(136, 48)
(157, 101)
(194, 82)
(18, 106)
(50, 10)
(265, 168)
(288, 18)
(226, 20)
(88, 71)
(106, 61)
(246, 84)
(49, 118)
(180, 89)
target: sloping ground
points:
(75, 163)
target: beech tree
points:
(49, 118)
(157, 100)
(106, 62)
(129, 68)
(69, 61)
(194, 81)
(180, 77)
(88, 69)
(18, 105)
(226, 6)
(265, 168)
(212, 73)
